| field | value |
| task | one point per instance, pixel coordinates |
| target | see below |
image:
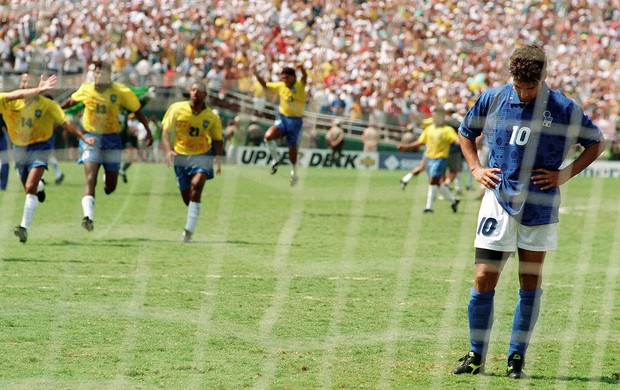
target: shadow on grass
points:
(250, 243)
(32, 260)
(577, 379)
(345, 215)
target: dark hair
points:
(528, 64)
(289, 71)
(103, 65)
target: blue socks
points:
(480, 313)
(525, 317)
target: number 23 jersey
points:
(193, 133)
(524, 137)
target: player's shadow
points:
(576, 379)
(116, 242)
(346, 215)
(38, 260)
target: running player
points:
(192, 138)
(437, 137)
(103, 99)
(30, 120)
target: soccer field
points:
(340, 282)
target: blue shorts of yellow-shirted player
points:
(31, 156)
(435, 167)
(185, 167)
(290, 128)
(106, 151)
(499, 231)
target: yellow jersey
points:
(193, 134)
(292, 100)
(31, 122)
(101, 108)
(438, 140)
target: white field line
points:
(141, 276)
(230, 178)
(284, 275)
(584, 256)
(606, 310)
(11, 209)
(344, 268)
(394, 331)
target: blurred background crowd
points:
(385, 61)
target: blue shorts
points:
(31, 156)
(290, 128)
(185, 167)
(435, 167)
(106, 151)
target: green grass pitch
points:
(340, 282)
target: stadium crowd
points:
(393, 58)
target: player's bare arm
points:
(218, 147)
(70, 128)
(548, 179)
(170, 153)
(259, 78)
(485, 176)
(44, 86)
(304, 74)
(410, 146)
(145, 122)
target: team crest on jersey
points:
(113, 98)
(547, 119)
(37, 113)
(205, 124)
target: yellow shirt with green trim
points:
(193, 133)
(101, 108)
(438, 140)
(31, 122)
(292, 100)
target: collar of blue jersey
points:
(544, 92)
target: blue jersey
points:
(524, 137)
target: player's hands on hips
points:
(170, 157)
(487, 176)
(545, 178)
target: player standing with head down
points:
(30, 120)
(197, 134)
(103, 99)
(530, 129)
(289, 124)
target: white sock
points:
(40, 186)
(88, 205)
(54, 161)
(273, 149)
(446, 193)
(294, 170)
(407, 178)
(193, 212)
(30, 206)
(457, 183)
(430, 196)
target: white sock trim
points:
(88, 206)
(193, 212)
(30, 206)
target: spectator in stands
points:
(335, 140)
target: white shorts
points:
(499, 231)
